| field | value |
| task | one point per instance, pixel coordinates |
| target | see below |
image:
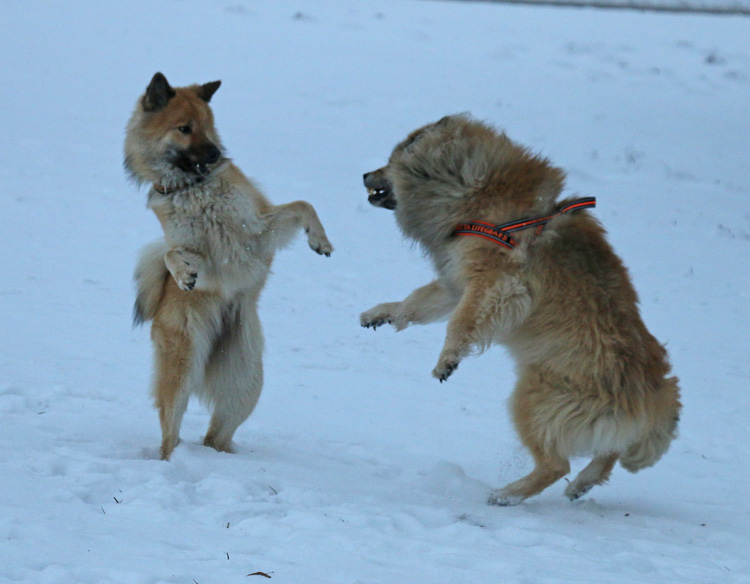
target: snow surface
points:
(358, 466)
(726, 7)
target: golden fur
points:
(591, 379)
(200, 285)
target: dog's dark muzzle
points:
(197, 159)
(379, 189)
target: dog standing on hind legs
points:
(200, 285)
(516, 266)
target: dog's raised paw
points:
(444, 370)
(319, 244)
(374, 324)
(184, 273)
(323, 250)
(187, 281)
(379, 315)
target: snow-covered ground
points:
(358, 466)
(725, 7)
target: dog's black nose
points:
(213, 154)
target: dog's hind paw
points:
(501, 498)
(576, 489)
(574, 496)
(211, 441)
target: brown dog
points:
(200, 285)
(518, 267)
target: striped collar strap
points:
(500, 234)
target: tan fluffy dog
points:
(592, 379)
(201, 284)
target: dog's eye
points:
(185, 129)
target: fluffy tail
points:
(150, 275)
(665, 415)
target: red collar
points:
(500, 233)
(169, 190)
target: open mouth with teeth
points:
(379, 191)
(382, 197)
(377, 196)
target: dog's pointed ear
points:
(207, 90)
(158, 94)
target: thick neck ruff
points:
(199, 181)
(500, 234)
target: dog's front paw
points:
(183, 272)
(380, 315)
(185, 275)
(319, 243)
(186, 281)
(444, 370)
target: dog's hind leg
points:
(234, 375)
(548, 469)
(171, 387)
(596, 473)
(236, 388)
(528, 404)
(183, 327)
